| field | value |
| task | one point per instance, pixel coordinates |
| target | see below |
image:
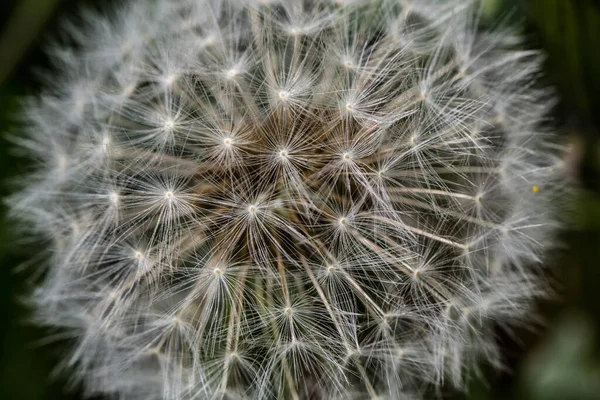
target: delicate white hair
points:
(288, 199)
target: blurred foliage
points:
(15, 40)
(561, 360)
(569, 31)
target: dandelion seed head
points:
(262, 199)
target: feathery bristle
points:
(288, 199)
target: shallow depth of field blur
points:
(559, 359)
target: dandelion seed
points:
(105, 144)
(232, 73)
(114, 198)
(63, 162)
(169, 125)
(170, 80)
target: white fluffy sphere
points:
(288, 199)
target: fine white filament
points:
(287, 199)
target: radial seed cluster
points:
(287, 199)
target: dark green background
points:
(561, 360)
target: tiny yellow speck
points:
(550, 169)
(535, 189)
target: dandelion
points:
(288, 199)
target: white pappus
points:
(288, 199)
